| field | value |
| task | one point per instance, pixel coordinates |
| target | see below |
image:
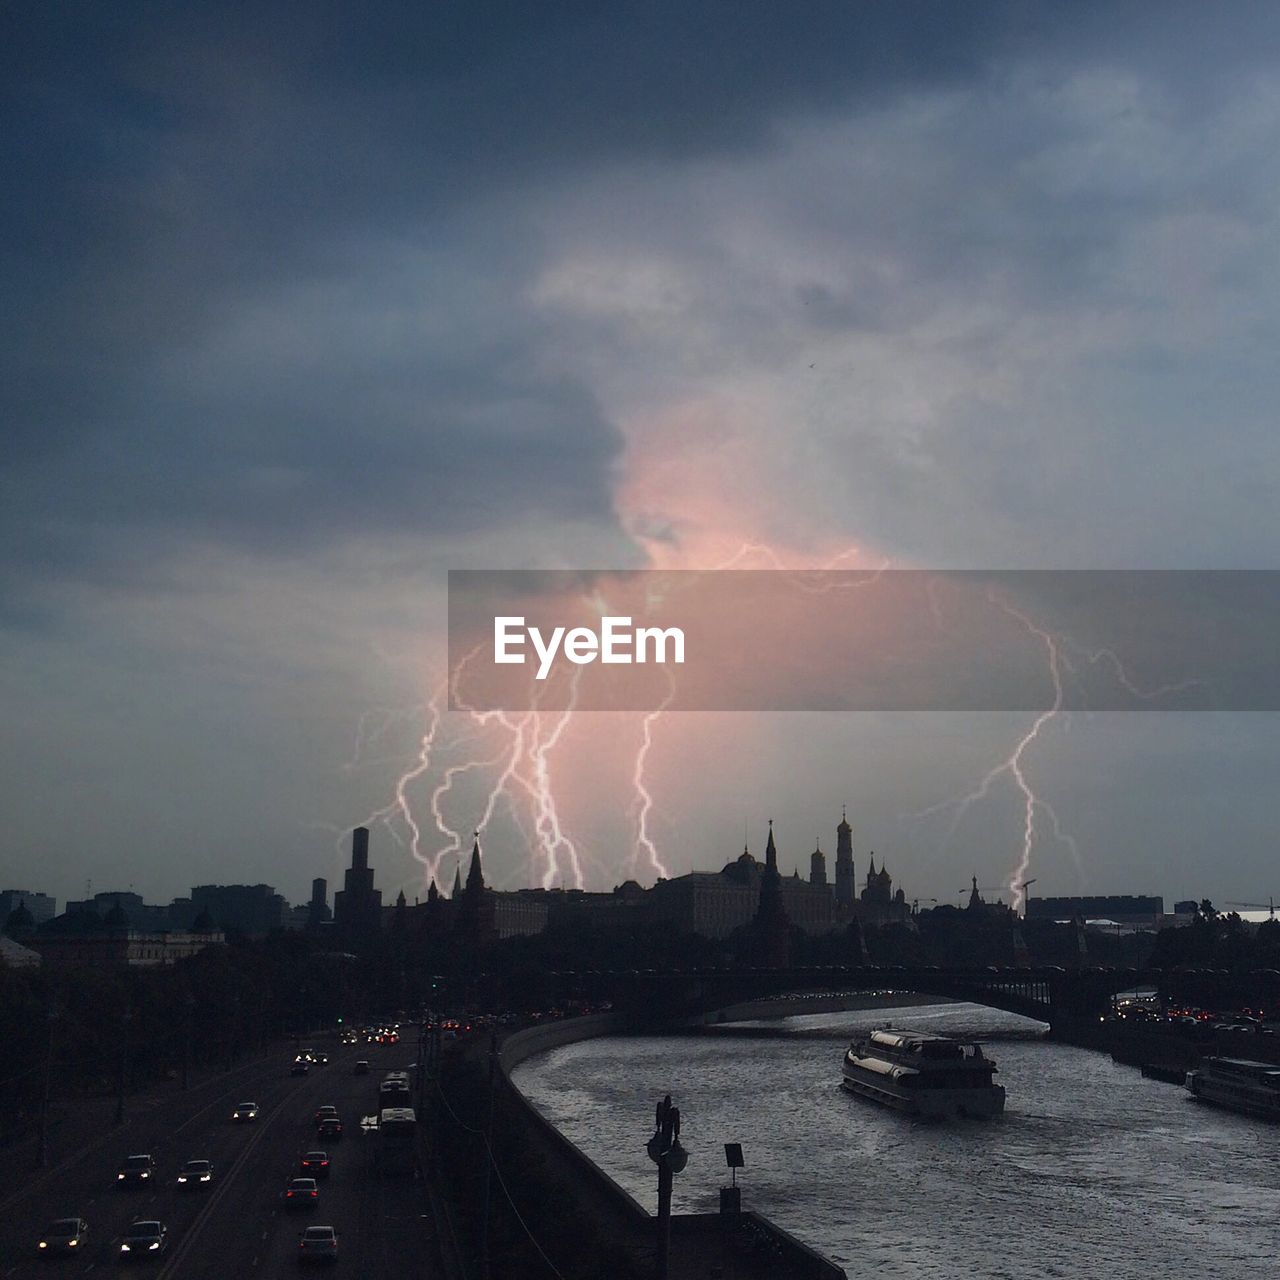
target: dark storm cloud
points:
(178, 176)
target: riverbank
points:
(744, 1245)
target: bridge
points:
(1066, 999)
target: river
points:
(1092, 1171)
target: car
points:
(245, 1113)
(300, 1068)
(361, 1068)
(195, 1175)
(318, 1244)
(136, 1170)
(301, 1193)
(65, 1235)
(327, 1112)
(315, 1164)
(146, 1238)
(321, 1059)
(330, 1129)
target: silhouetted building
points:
(318, 912)
(715, 903)
(818, 867)
(125, 947)
(475, 922)
(357, 906)
(19, 924)
(1123, 909)
(844, 862)
(139, 914)
(249, 908)
(878, 904)
(773, 929)
(41, 906)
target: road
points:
(238, 1226)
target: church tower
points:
(818, 867)
(773, 928)
(474, 921)
(844, 862)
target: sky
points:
(308, 305)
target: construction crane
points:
(1269, 907)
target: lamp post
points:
(666, 1152)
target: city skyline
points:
(301, 324)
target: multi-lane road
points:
(238, 1227)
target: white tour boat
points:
(923, 1074)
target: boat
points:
(923, 1074)
(1252, 1088)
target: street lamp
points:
(666, 1152)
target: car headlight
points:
(182, 1177)
(119, 1177)
(204, 1177)
(71, 1244)
(155, 1244)
(44, 1244)
(145, 1174)
(124, 1248)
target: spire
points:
(457, 881)
(475, 877)
(433, 894)
(771, 851)
(844, 819)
